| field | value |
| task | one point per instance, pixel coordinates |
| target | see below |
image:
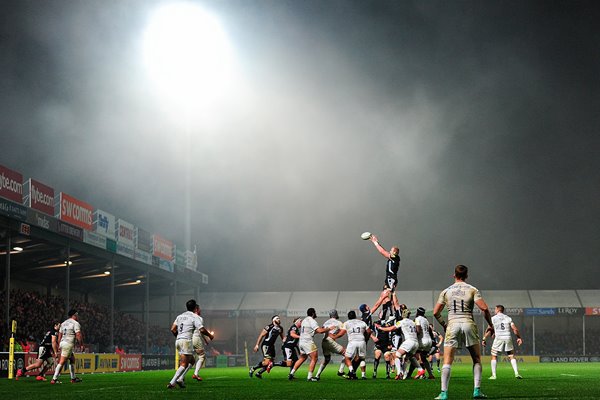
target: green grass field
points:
(547, 381)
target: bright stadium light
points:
(187, 53)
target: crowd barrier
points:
(101, 363)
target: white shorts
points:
(501, 345)
(184, 347)
(198, 344)
(331, 346)
(307, 347)
(356, 349)
(409, 346)
(425, 345)
(66, 349)
(459, 334)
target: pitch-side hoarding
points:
(104, 224)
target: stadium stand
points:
(554, 298)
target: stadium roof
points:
(42, 262)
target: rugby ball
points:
(365, 235)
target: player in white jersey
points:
(409, 346)
(69, 335)
(329, 344)
(307, 345)
(503, 324)
(425, 339)
(461, 329)
(357, 331)
(198, 340)
(183, 328)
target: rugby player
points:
(268, 335)
(68, 336)
(198, 343)
(307, 345)
(503, 324)
(47, 351)
(330, 344)
(357, 331)
(392, 265)
(461, 329)
(183, 328)
(290, 345)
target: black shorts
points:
(290, 353)
(44, 353)
(383, 347)
(268, 351)
(391, 282)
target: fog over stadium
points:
(464, 132)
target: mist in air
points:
(461, 132)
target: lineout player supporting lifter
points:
(393, 262)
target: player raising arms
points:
(392, 265)
(461, 329)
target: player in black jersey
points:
(383, 347)
(290, 345)
(392, 265)
(268, 335)
(48, 348)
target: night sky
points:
(465, 132)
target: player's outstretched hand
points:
(374, 238)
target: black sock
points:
(375, 365)
(260, 371)
(387, 368)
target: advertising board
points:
(94, 239)
(13, 210)
(42, 220)
(124, 250)
(69, 230)
(162, 248)
(74, 211)
(143, 256)
(143, 240)
(107, 362)
(104, 224)
(38, 196)
(11, 185)
(130, 362)
(125, 232)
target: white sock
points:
(398, 365)
(446, 370)
(178, 373)
(182, 377)
(321, 368)
(494, 363)
(309, 375)
(199, 364)
(57, 371)
(477, 375)
(293, 371)
(513, 362)
(72, 370)
(342, 365)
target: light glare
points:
(187, 53)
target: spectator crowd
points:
(35, 314)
